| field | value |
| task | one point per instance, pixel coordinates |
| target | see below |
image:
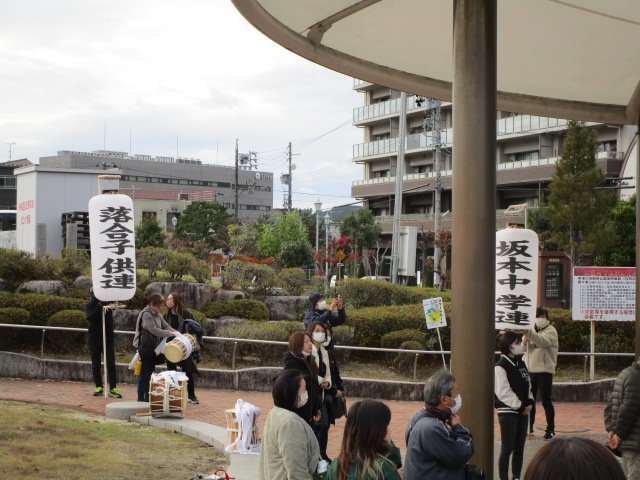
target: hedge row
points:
(249, 309)
(40, 307)
(376, 293)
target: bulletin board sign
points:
(604, 294)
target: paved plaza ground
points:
(581, 419)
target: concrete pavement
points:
(582, 419)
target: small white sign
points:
(516, 278)
(434, 312)
(113, 247)
(604, 293)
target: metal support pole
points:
(327, 218)
(474, 192)
(397, 204)
(105, 387)
(437, 154)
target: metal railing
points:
(237, 341)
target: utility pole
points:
(437, 158)
(290, 180)
(397, 204)
(235, 215)
(10, 145)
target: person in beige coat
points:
(290, 449)
(541, 357)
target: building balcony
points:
(516, 125)
(387, 109)
(360, 85)
(508, 173)
(426, 221)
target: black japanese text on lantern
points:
(516, 261)
(118, 271)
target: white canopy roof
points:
(575, 59)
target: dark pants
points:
(513, 433)
(188, 367)
(95, 347)
(148, 367)
(543, 382)
(322, 434)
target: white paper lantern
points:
(516, 278)
(113, 247)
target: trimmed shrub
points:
(370, 324)
(67, 341)
(77, 293)
(317, 283)
(40, 307)
(279, 331)
(292, 280)
(153, 259)
(200, 270)
(397, 338)
(179, 264)
(252, 278)
(366, 293)
(74, 263)
(11, 337)
(198, 316)
(249, 309)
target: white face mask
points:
(517, 349)
(327, 342)
(541, 322)
(456, 408)
(318, 337)
(306, 354)
(302, 400)
(321, 305)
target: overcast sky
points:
(185, 76)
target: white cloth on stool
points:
(246, 413)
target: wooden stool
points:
(233, 428)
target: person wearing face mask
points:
(333, 316)
(289, 446)
(513, 401)
(299, 358)
(318, 333)
(541, 357)
(438, 445)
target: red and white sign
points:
(604, 293)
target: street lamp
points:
(327, 219)
(318, 206)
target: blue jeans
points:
(148, 367)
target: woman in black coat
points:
(299, 358)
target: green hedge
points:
(279, 331)
(10, 337)
(373, 293)
(40, 307)
(397, 338)
(292, 280)
(67, 341)
(249, 309)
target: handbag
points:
(339, 406)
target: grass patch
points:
(38, 441)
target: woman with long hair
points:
(318, 333)
(367, 452)
(299, 358)
(289, 446)
(182, 320)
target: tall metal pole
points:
(235, 215)
(474, 192)
(397, 204)
(327, 218)
(10, 145)
(437, 154)
(289, 204)
(318, 206)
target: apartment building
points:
(183, 175)
(528, 148)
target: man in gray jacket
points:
(438, 445)
(622, 419)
